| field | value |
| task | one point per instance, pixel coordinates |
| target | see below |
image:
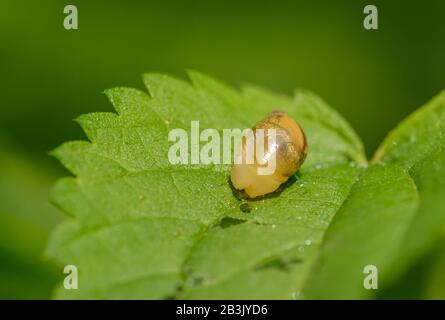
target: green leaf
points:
(415, 148)
(143, 228)
(417, 145)
(369, 229)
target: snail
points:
(288, 150)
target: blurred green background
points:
(51, 75)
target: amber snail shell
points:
(290, 151)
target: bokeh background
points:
(50, 75)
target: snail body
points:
(289, 151)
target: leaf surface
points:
(143, 228)
(395, 229)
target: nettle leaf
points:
(391, 227)
(141, 227)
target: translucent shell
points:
(289, 150)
